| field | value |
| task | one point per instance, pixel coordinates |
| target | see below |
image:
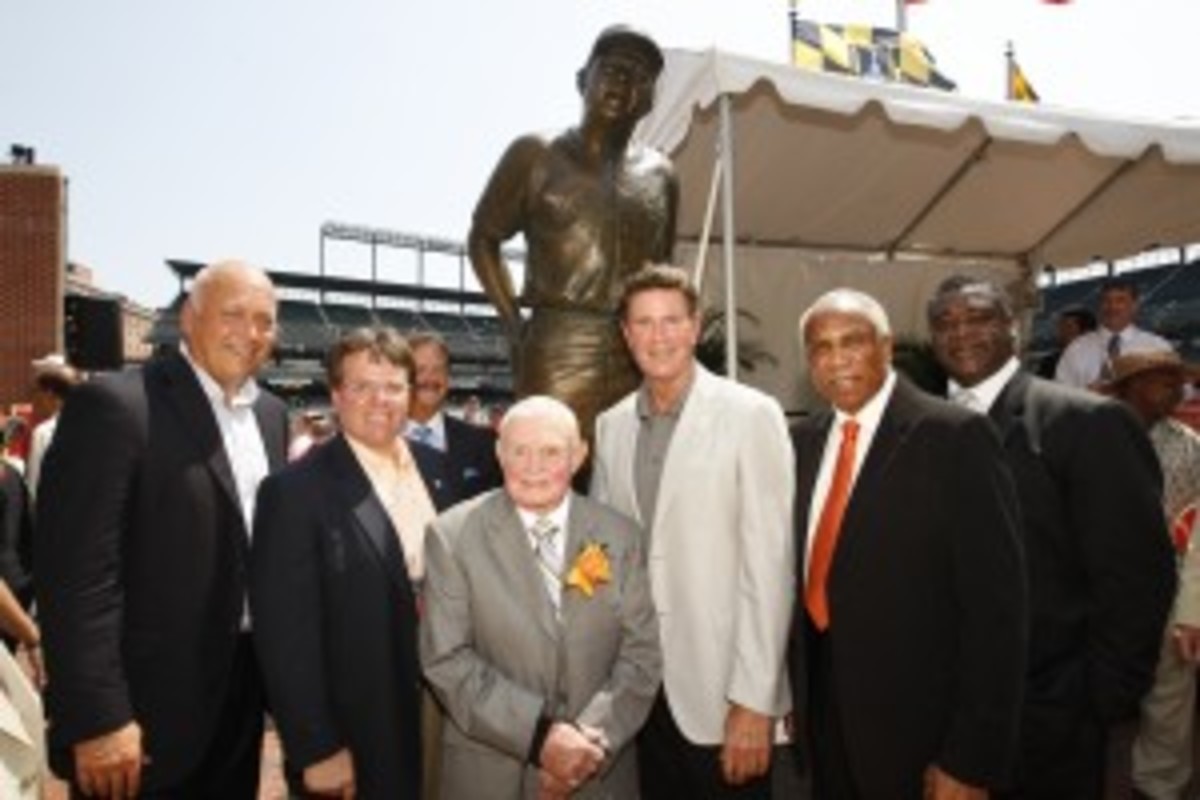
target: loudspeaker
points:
(93, 332)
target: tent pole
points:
(728, 236)
(706, 231)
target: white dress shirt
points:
(982, 395)
(242, 441)
(1084, 359)
(239, 434)
(868, 418)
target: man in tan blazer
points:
(539, 636)
(706, 466)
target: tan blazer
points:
(498, 658)
(721, 549)
(22, 754)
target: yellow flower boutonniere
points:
(591, 568)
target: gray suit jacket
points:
(498, 658)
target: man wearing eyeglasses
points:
(337, 567)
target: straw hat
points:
(1129, 365)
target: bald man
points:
(144, 512)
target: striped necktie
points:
(549, 556)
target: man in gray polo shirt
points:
(705, 465)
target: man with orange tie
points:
(908, 649)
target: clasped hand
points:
(571, 755)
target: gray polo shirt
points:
(655, 432)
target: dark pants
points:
(671, 767)
(231, 763)
(1062, 756)
(832, 778)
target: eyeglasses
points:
(361, 390)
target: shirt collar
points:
(436, 423)
(558, 516)
(988, 389)
(376, 463)
(245, 396)
(645, 405)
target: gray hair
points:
(847, 301)
(978, 292)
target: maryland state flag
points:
(1019, 87)
(870, 52)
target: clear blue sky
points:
(235, 128)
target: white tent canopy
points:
(862, 174)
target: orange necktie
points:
(815, 598)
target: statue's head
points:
(623, 50)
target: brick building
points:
(33, 224)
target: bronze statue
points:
(594, 209)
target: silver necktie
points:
(549, 556)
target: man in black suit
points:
(1101, 569)
(469, 451)
(337, 561)
(142, 552)
(908, 643)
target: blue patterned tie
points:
(423, 434)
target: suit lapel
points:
(274, 436)
(897, 422)
(514, 557)
(696, 424)
(622, 470)
(809, 451)
(367, 511)
(433, 466)
(453, 456)
(581, 530)
(184, 393)
(1008, 412)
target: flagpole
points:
(793, 15)
(1009, 71)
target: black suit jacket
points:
(335, 619)
(16, 534)
(927, 599)
(142, 555)
(471, 465)
(1102, 574)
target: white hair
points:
(545, 409)
(847, 301)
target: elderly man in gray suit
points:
(539, 635)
